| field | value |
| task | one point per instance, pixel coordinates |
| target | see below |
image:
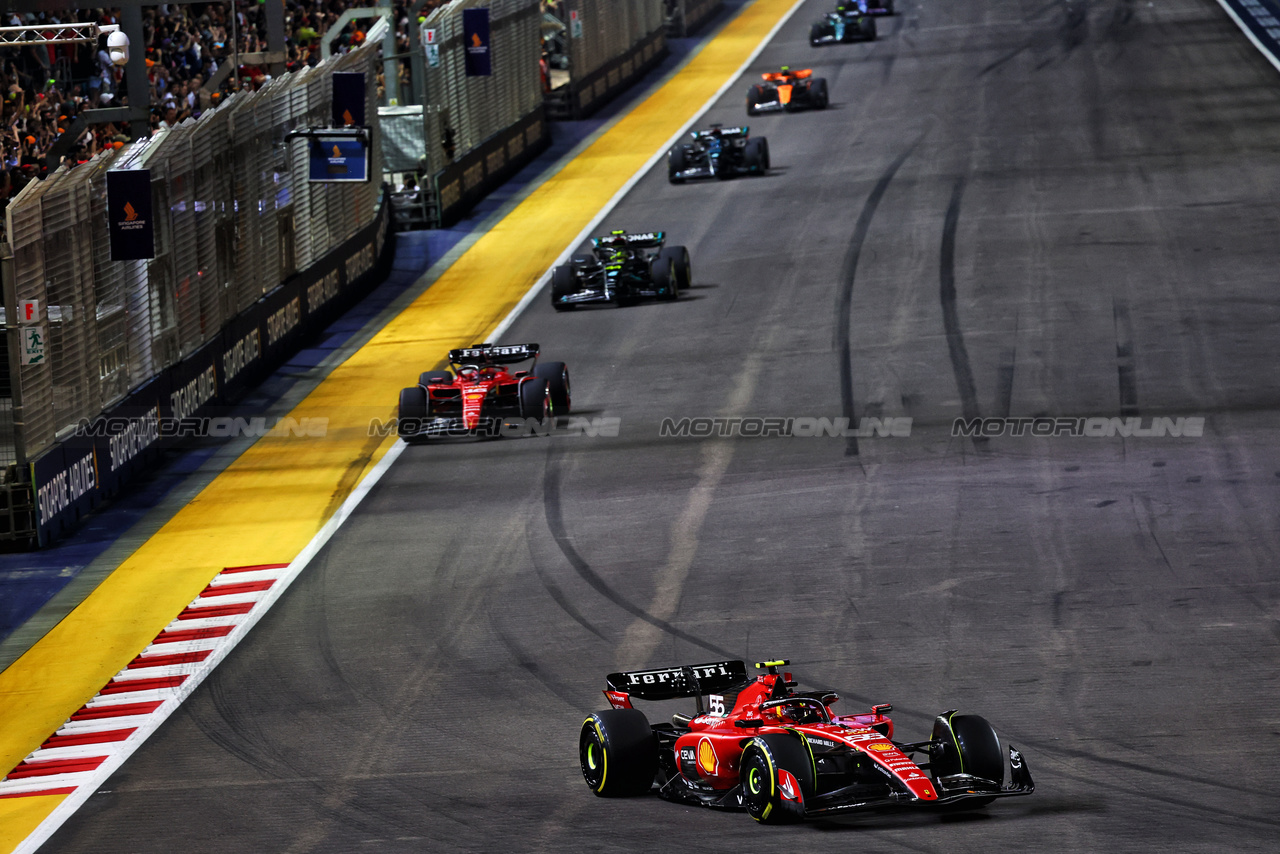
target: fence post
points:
(14, 340)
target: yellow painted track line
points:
(270, 503)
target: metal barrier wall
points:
(463, 112)
(609, 44)
(607, 29)
(235, 216)
(685, 16)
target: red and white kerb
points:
(98, 737)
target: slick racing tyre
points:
(680, 262)
(754, 96)
(412, 411)
(676, 164)
(665, 281)
(869, 31)
(818, 93)
(427, 378)
(756, 155)
(535, 401)
(563, 284)
(557, 377)
(970, 746)
(777, 774)
(618, 752)
(816, 33)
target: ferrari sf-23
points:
(479, 394)
(782, 755)
(718, 152)
(622, 269)
(788, 89)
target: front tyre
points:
(970, 746)
(563, 284)
(676, 163)
(618, 753)
(777, 774)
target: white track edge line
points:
(1263, 49)
(84, 791)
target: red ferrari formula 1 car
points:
(784, 756)
(480, 396)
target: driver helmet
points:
(469, 374)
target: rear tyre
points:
(675, 164)
(557, 379)
(870, 29)
(756, 155)
(563, 284)
(618, 753)
(535, 402)
(435, 378)
(818, 93)
(680, 263)
(778, 775)
(970, 746)
(664, 278)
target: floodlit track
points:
(1020, 209)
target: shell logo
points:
(707, 761)
(880, 747)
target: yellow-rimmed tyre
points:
(618, 752)
(777, 775)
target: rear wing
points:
(642, 240)
(738, 131)
(691, 680)
(489, 354)
(797, 73)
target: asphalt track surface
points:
(1026, 209)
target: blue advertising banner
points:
(129, 222)
(348, 99)
(475, 36)
(338, 159)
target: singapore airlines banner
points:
(130, 224)
(475, 37)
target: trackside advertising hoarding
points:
(75, 476)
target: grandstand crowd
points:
(44, 87)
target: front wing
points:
(861, 797)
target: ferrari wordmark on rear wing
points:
(691, 680)
(489, 354)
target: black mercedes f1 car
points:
(622, 268)
(718, 152)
